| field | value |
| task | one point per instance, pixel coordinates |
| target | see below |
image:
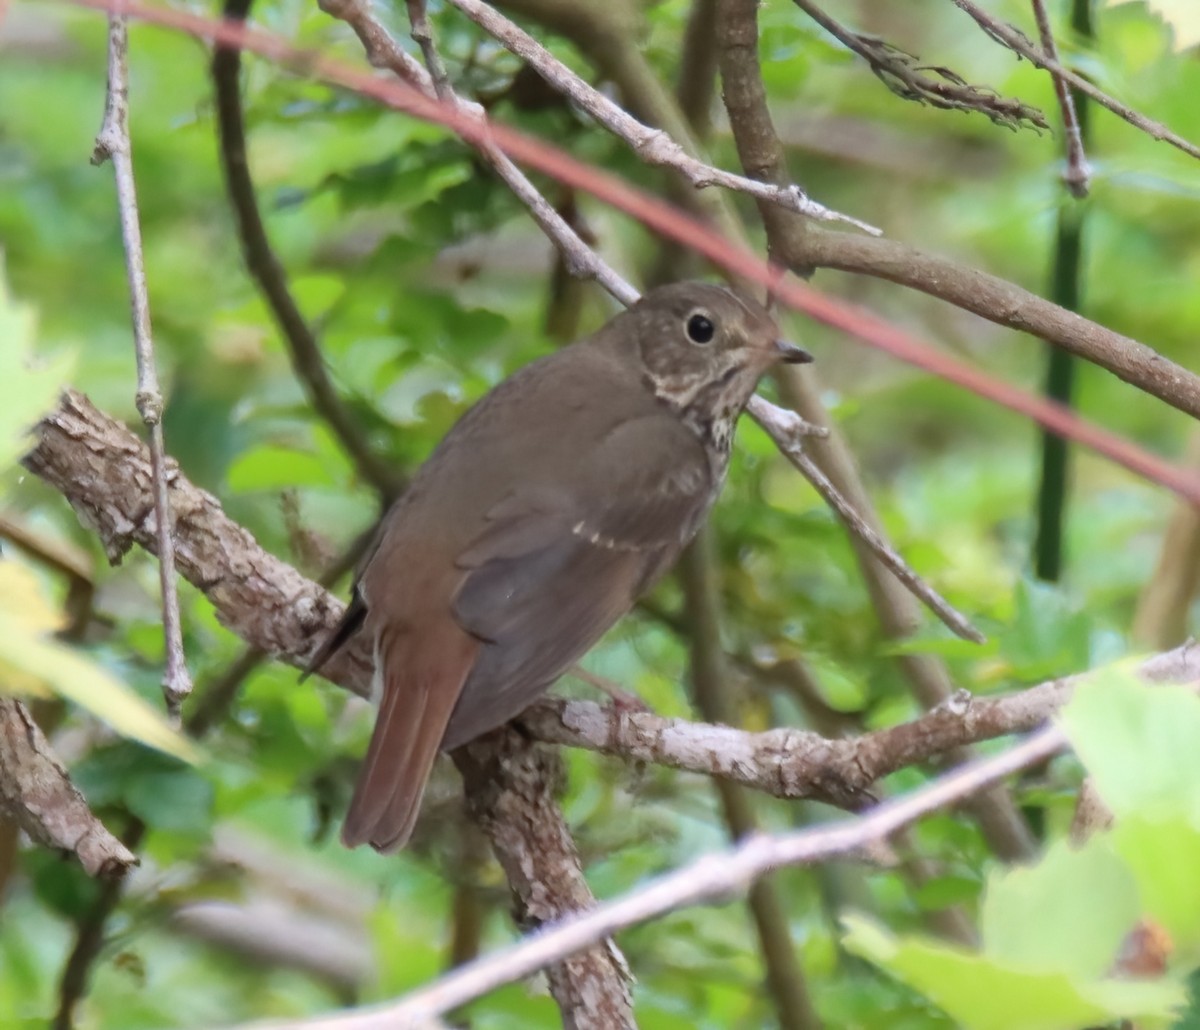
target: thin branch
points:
(713, 879)
(1077, 174)
(422, 34)
(113, 144)
(264, 267)
(905, 76)
(384, 52)
(1020, 44)
(653, 146)
(788, 432)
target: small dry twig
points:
(113, 144)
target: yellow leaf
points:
(21, 598)
(30, 663)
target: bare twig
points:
(713, 879)
(1020, 44)
(113, 144)
(653, 146)
(905, 76)
(1077, 174)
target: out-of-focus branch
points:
(1068, 278)
(265, 268)
(1164, 607)
(113, 144)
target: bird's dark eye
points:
(700, 329)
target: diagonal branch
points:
(1077, 173)
(653, 146)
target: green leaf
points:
(1138, 743)
(982, 993)
(277, 468)
(1083, 938)
(174, 799)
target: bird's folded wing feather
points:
(553, 570)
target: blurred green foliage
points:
(427, 284)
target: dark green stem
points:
(1066, 290)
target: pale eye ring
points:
(700, 328)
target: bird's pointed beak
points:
(789, 353)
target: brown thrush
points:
(554, 502)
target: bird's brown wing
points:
(553, 571)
